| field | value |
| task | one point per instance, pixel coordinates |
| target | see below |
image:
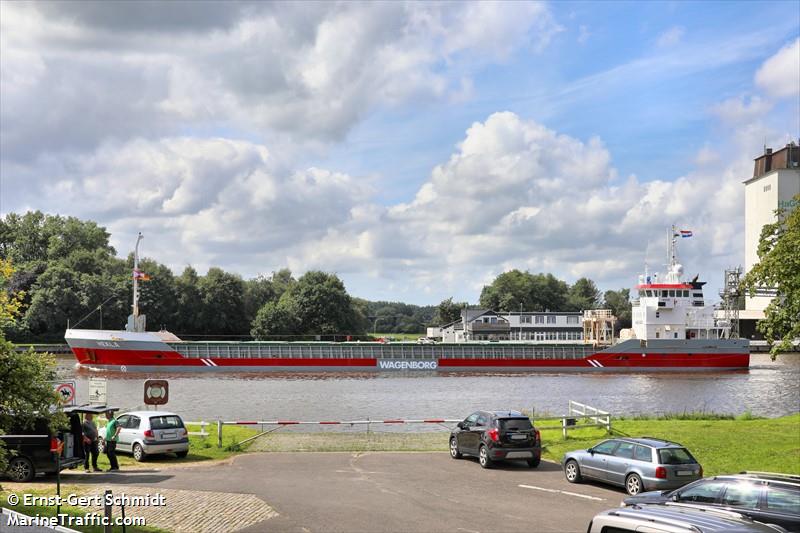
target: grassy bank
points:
(200, 448)
(721, 444)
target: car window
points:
(612, 529)
(702, 492)
(471, 419)
(675, 456)
(165, 422)
(742, 495)
(642, 453)
(625, 450)
(605, 448)
(515, 424)
(783, 500)
(483, 420)
(133, 422)
(122, 421)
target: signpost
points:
(156, 392)
(98, 391)
(65, 391)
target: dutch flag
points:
(685, 233)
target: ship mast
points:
(136, 277)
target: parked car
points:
(496, 436)
(33, 448)
(766, 497)
(144, 433)
(639, 464)
(675, 518)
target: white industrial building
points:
(486, 325)
(775, 182)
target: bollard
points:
(219, 433)
(108, 512)
(564, 428)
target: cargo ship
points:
(673, 330)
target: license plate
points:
(518, 455)
(518, 437)
(685, 472)
(165, 436)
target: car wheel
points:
(138, 452)
(572, 471)
(101, 445)
(633, 484)
(20, 469)
(533, 463)
(454, 453)
(483, 457)
(181, 455)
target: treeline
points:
(66, 271)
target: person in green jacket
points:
(112, 433)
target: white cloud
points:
(76, 74)
(739, 109)
(779, 76)
(671, 37)
(583, 34)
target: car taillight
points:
(701, 471)
(53, 444)
(661, 472)
(149, 434)
(537, 436)
(493, 434)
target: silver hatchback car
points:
(639, 464)
(144, 433)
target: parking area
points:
(381, 492)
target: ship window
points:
(663, 293)
(698, 303)
(672, 294)
(658, 315)
(650, 293)
(685, 294)
(698, 294)
(658, 334)
(675, 335)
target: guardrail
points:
(278, 424)
(572, 420)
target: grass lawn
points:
(400, 336)
(721, 446)
(200, 448)
(42, 510)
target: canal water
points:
(767, 389)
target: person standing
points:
(90, 442)
(112, 432)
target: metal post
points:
(58, 486)
(564, 428)
(122, 508)
(219, 433)
(108, 513)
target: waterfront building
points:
(526, 326)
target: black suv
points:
(31, 449)
(766, 497)
(495, 436)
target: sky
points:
(417, 150)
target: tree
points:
(779, 268)
(620, 305)
(522, 291)
(25, 391)
(10, 301)
(317, 304)
(222, 303)
(583, 295)
(447, 312)
(189, 302)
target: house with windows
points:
(534, 326)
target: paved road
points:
(387, 492)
